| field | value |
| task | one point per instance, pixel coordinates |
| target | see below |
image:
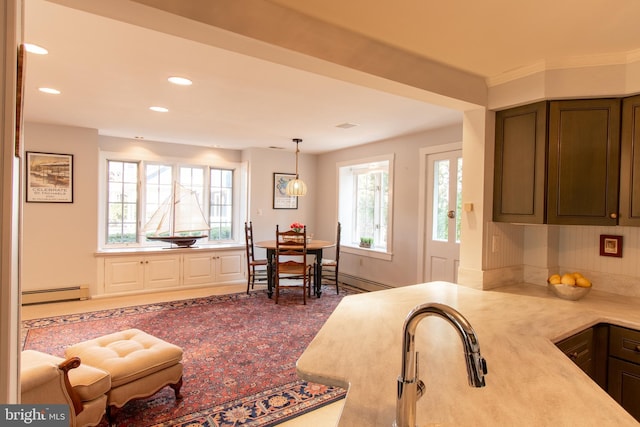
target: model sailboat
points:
(177, 219)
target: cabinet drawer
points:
(624, 344)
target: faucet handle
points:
(476, 369)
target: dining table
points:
(314, 247)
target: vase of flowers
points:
(297, 227)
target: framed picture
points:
(280, 198)
(49, 177)
(610, 245)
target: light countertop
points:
(530, 382)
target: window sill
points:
(115, 250)
(366, 252)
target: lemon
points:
(554, 279)
(583, 282)
(568, 279)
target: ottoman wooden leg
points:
(176, 388)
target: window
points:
(365, 203)
(122, 202)
(136, 189)
(221, 204)
(442, 182)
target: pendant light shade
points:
(296, 187)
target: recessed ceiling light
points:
(346, 125)
(34, 48)
(182, 81)
(159, 109)
(49, 90)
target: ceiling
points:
(110, 72)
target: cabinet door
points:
(579, 348)
(520, 164)
(162, 271)
(630, 166)
(230, 265)
(123, 274)
(199, 268)
(624, 385)
(584, 162)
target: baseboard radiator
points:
(360, 283)
(41, 296)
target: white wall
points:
(262, 164)
(59, 239)
(402, 269)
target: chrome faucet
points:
(410, 387)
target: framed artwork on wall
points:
(610, 245)
(280, 198)
(49, 177)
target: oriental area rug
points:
(240, 353)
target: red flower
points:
(297, 227)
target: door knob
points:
(451, 214)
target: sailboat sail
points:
(177, 217)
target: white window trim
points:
(370, 252)
(240, 196)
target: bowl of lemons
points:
(570, 286)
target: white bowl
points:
(568, 292)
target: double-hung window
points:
(122, 202)
(136, 189)
(365, 204)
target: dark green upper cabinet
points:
(520, 158)
(630, 163)
(584, 162)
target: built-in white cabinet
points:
(217, 267)
(136, 273)
(126, 272)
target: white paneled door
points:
(443, 213)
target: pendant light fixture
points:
(296, 187)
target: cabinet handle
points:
(638, 348)
(613, 215)
(141, 262)
(573, 355)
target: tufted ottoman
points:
(140, 364)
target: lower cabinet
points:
(129, 274)
(610, 355)
(624, 368)
(136, 272)
(216, 267)
(588, 350)
(624, 385)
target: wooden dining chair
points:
(256, 268)
(330, 267)
(291, 261)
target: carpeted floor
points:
(239, 356)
